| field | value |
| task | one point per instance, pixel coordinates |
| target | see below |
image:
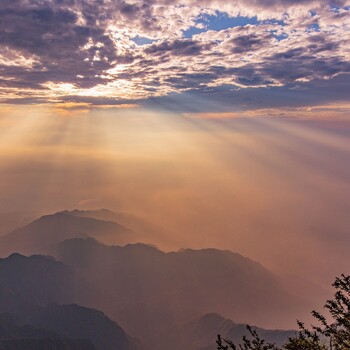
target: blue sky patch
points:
(314, 27)
(140, 40)
(280, 37)
(221, 21)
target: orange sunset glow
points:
(172, 172)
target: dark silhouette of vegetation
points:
(305, 340)
(255, 343)
(338, 330)
(333, 331)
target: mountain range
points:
(80, 262)
(149, 290)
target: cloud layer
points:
(115, 52)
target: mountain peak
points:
(101, 211)
(15, 256)
(44, 234)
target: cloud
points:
(177, 48)
(227, 99)
(63, 49)
(58, 49)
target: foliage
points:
(338, 331)
(299, 343)
(305, 340)
(255, 343)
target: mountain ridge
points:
(159, 287)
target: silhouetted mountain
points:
(35, 280)
(77, 322)
(149, 290)
(25, 337)
(29, 286)
(150, 293)
(201, 334)
(42, 235)
(45, 344)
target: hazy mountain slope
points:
(149, 290)
(201, 334)
(145, 231)
(13, 220)
(42, 235)
(75, 321)
(35, 280)
(25, 337)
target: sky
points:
(226, 122)
(191, 56)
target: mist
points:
(270, 189)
